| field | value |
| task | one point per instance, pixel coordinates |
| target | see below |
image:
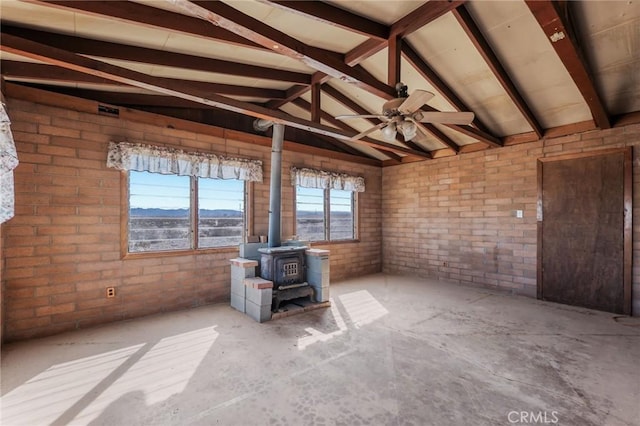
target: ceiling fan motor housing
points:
(390, 108)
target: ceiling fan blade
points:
(347, 117)
(445, 117)
(366, 132)
(415, 101)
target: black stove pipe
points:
(275, 190)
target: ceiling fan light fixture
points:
(389, 132)
(409, 130)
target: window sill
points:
(152, 254)
(325, 243)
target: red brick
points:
(55, 309)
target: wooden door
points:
(584, 230)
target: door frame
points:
(628, 216)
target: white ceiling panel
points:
(308, 31)
(8, 56)
(610, 34)
(523, 49)
(445, 46)
(191, 45)
(383, 11)
(36, 16)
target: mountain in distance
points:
(216, 213)
(153, 212)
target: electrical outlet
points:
(111, 292)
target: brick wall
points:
(63, 247)
(454, 218)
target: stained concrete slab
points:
(389, 351)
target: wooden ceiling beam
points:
(482, 46)
(364, 50)
(315, 106)
(40, 52)
(125, 98)
(334, 16)
(29, 70)
(16, 70)
(394, 63)
(151, 17)
(157, 57)
(331, 63)
(428, 12)
(420, 17)
(552, 18)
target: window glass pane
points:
(159, 212)
(341, 214)
(221, 212)
(310, 214)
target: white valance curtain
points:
(8, 162)
(147, 158)
(311, 178)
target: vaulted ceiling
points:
(526, 69)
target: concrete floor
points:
(391, 350)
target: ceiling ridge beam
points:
(19, 46)
(551, 18)
(106, 49)
(151, 17)
(331, 63)
(482, 46)
(404, 26)
(17, 69)
(423, 68)
(332, 15)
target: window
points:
(165, 214)
(325, 214)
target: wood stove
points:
(285, 267)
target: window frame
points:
(327, 217)
(193, 229)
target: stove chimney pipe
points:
(275, 189)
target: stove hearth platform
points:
(284, 291)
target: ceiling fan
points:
(403, 114)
